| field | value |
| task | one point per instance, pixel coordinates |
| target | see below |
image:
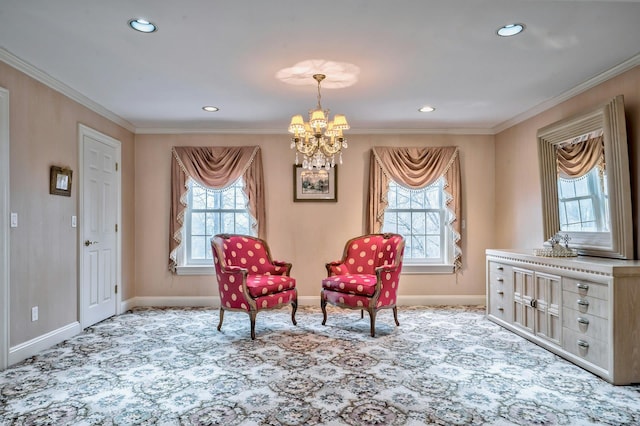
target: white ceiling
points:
(443, 53)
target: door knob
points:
(88, 243)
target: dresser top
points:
(615, 267)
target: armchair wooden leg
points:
(252, 317)
(372, 317)
(323, 306)
(221, 318)
(361, 313)
(395, 315)
(294, 308)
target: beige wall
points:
(305, 233)
(43, 248)
(518, 219)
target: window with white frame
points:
(210, 212)
(421, 217)
(583, 202)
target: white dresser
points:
(585, 309)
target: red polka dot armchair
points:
(366, 277)
(249, 280)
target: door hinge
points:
(116, 227)
(116, 167)
(116, 288)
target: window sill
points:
(195, 270)
(415, 269)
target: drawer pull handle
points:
(581, 286)
(582, 302)
(500, 268)
(583, 321)
(500, 308)
(500, 292)
(500, 280)
(583, 344)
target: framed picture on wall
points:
(315, 184)
(60, 181)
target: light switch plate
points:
(14, 220)
(74, 221)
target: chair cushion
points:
(361, 284)
(263, 285)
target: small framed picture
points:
(315, 184)
(60, 181)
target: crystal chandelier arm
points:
(319, 149)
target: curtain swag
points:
(415, 168)
(576, 160)
(214, 167)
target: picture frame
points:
(60, 181)
(315, 185)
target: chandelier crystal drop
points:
(319, 140)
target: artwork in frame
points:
(315, 184)
(60, 181)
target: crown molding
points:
(44, 78)
(352, 131)
(583, 87)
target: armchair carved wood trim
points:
(249, 280)
(367, 276)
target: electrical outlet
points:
(34, 313)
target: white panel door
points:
(99, 215)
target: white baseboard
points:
(443, 300)
(214, 301)
(34, 346)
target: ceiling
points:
(409, 53)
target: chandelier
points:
(318, 140)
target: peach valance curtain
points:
(415, 168)
(214, 167)
(578, 159)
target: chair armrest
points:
(282, 264)
(336, 267)
(232, 269)
(387, 268)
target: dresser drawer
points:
(497, 308)
(496, 278)
(585, 324)
(591, 350)
(497, 268)
(585, 305)
(586, 288)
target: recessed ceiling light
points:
(510, 30)
(209, 108)
(143, 25)
(427, 108)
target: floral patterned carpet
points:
(443, 365)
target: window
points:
(210, 212)
(422, 218)
(430, 219)
(583, 202)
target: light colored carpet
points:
(443, 365)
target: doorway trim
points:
(4, 228)
(116, 144)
